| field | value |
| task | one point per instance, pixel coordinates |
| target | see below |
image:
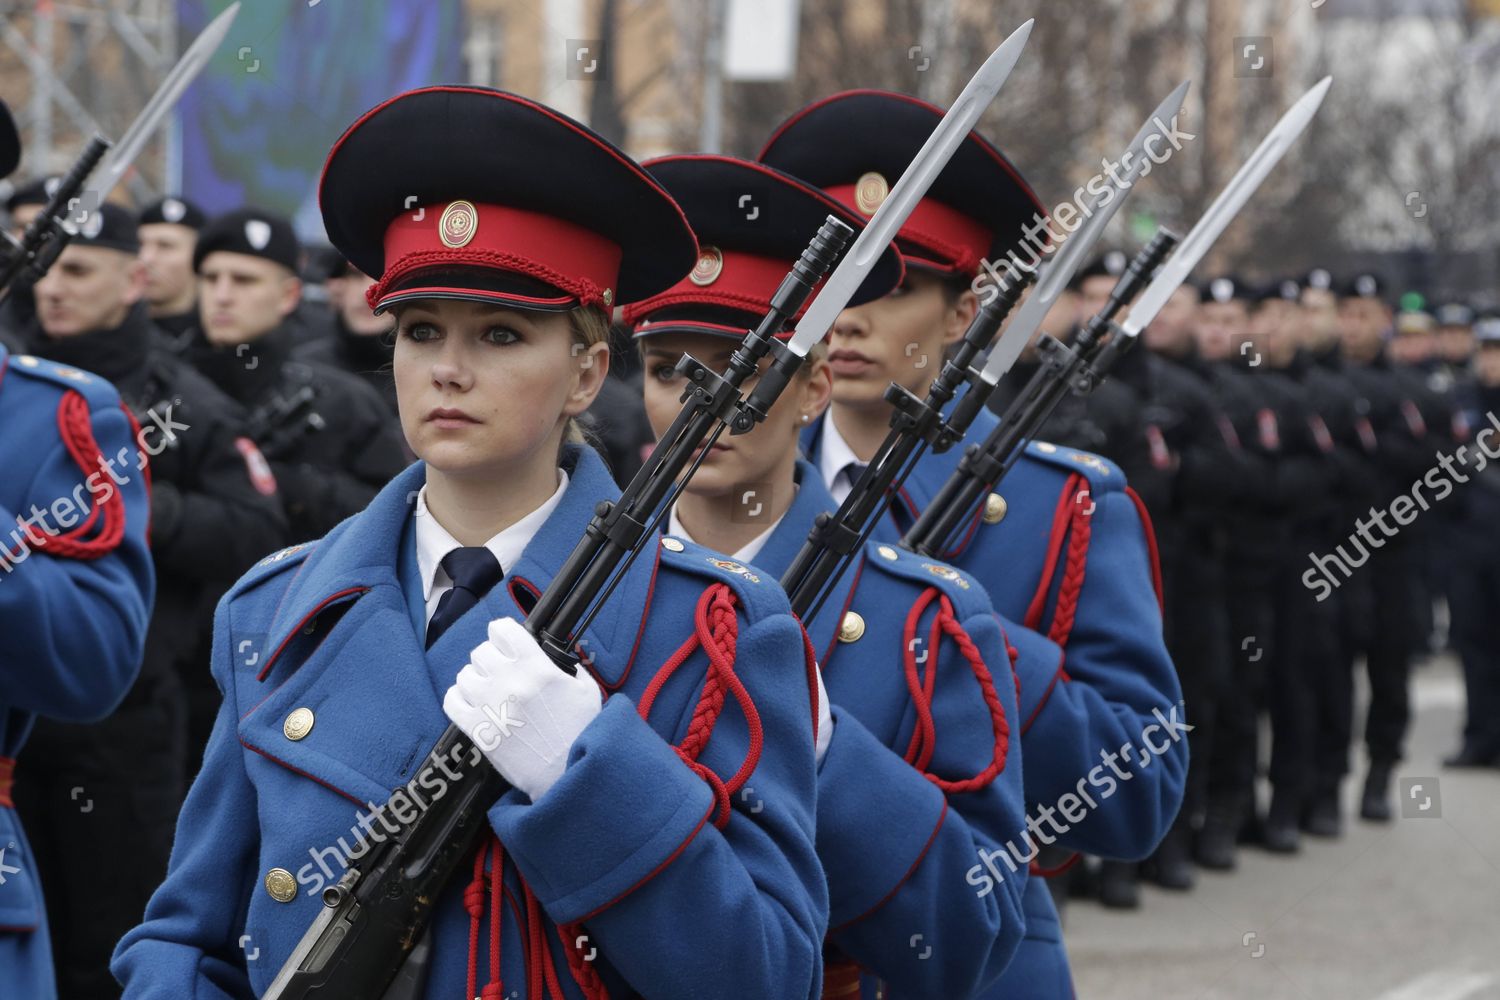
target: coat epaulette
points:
(1102, 474)
(966, 593)
(99, 393)
(277, 562)
(759, 593)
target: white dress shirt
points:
(434, 542)
(835, 458)
(747, 552)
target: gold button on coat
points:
(280, 885)
(671, 544)
(852, 627)
(886, 552)
(994, 509)
(298, 724)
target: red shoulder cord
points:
(541, 974)
(716, 629)
(75, 425)
(921, 685)
(1072, 579)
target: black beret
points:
(856, 145)
(1227, 288)
(752, 222)
(249, 231)
(1285, 290)
(174, 211)
(1363, 286)
(1110, 264)
(1454, 314)
(1319, 278)
(33, 192)
(1487, 329)
(110, 227)
(470, 192)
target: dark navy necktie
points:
(473, 570)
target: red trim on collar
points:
(298, 627)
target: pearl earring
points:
(805, 418)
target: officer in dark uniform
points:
(1336, 616)
(168, 229)
(1254, 531)
(1108, 420)
(330, 438)
(1303, 475)
(76, 586)
(1475, 591)
(23, 205)
(1193, 443)
(214, 512)
(362, 341)
(1404, 452)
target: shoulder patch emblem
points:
(734, 567)
(257, 467)
(1090, 461)
(947, 573)
(276, 557)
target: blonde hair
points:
(590, 326)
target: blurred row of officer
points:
(251, 448)
(1263, 425)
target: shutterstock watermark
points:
(1362, 541)
(63, 513)
(406, 804)
(1074, 806)
(1113, 181)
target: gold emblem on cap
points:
(710, 265)
(994, 508)
(870, 192)
(852, 627)
(608, 295)
(281, 885)
(458, 224)
(298, 724)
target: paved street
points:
(1409, 911)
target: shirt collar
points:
(746, 553)
(834, 453)
(434, 542)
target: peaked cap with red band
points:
(752, 222)
(473, 193)
(856, 145)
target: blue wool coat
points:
(1113, 682)
(74, 622)
(671, 905)
(894, 845)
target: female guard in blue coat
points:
(76, 586)
(659, 835)
(1065, 549)
(920, 770)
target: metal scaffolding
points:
(90, 67)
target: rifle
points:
(1088, 360)
(50, 231)
(279, 424)
(918, 424)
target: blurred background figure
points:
(168, 230)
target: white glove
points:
(519, 709)
(825, 719)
